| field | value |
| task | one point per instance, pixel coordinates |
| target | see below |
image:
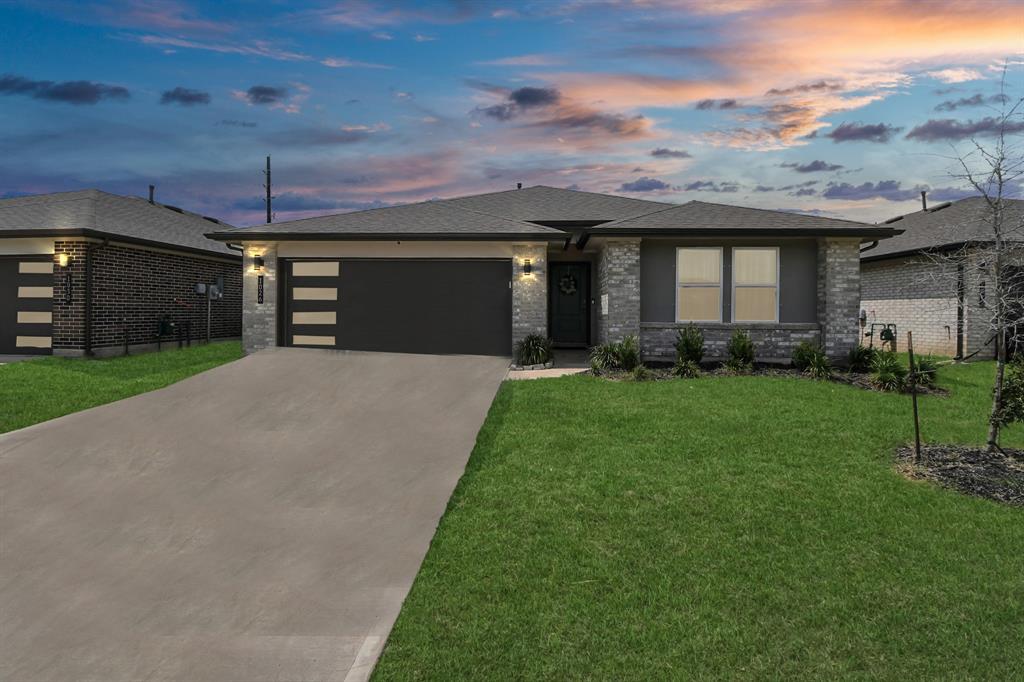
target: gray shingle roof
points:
(103, 214)
(442, 218)
(551, 204)
(700, 215)
(949, 224)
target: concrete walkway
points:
(261, 521)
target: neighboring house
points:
(476, 274)
(89, 272)
(909, 280)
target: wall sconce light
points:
(257, 263)
(62, 260)
(527, 267)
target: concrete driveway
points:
(261, 521)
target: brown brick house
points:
(475, 274)
(905, 280)
(88, 272)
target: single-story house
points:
(92, 273)
(910, 280)
(476, 274)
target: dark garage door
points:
(26, 305)
(400, 305)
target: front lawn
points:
(729, 528)
(36, 390)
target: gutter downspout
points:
(869, 246)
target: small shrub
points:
(926, 369)
(804, 354)
(686, 369)
(690, 345)
(888, 373)
(641, 373)
(1012, 409)
(629, 353)
(604, 357)
(741, 352)
(861, 359)
(818, 366)
(533, 350)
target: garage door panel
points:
(405, 306)
(26, 305)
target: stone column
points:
(618, 289)
(839, 295)
(529, 291)
(259, 320)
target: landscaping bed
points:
(974, 471)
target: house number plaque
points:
(259, 289)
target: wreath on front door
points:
(567, 284)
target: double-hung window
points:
(755, 284)
(699, 284)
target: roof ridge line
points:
(645, 215)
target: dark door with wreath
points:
(570, 303)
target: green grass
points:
(36, 390)
(727, 528)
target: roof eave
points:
(385, 237)
(113, 236)
(866, 232)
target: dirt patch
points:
(996, 476)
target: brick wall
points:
(259, 329)
(772, 342)
(133, 288)
(839, 295)
(529, 292)
(916, 294)
(618, 284)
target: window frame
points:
(777, 286)
(721, 282)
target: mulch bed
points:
(996, 476)
(664, 372)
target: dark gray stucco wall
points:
(798, 277)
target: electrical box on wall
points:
(200, 288)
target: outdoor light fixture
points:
(257, 263)
(527, 267)
(62, 260)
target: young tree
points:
(994, 259)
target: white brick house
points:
(906, 281)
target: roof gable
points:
(110, 215)
(946, 225)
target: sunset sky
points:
(845, 109)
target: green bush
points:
(629, 353)
(623, 355)
(641, 373)
(686, 369)
(926, 369)
(690, 345)
(804, 354)
(818, 366)
(861, 358)
(741, 352)
(888, 373)
(533, 350)
(604, 356)
(1012, 409)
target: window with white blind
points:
(755, 284)
(699, 284)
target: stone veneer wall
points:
(772, 343)
(529, 292)
(259, 320)
(618, 283)
(839, 295)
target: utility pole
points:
(267, 185)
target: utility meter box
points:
(200, 288)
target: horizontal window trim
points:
(703, 285)
(777, 286)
